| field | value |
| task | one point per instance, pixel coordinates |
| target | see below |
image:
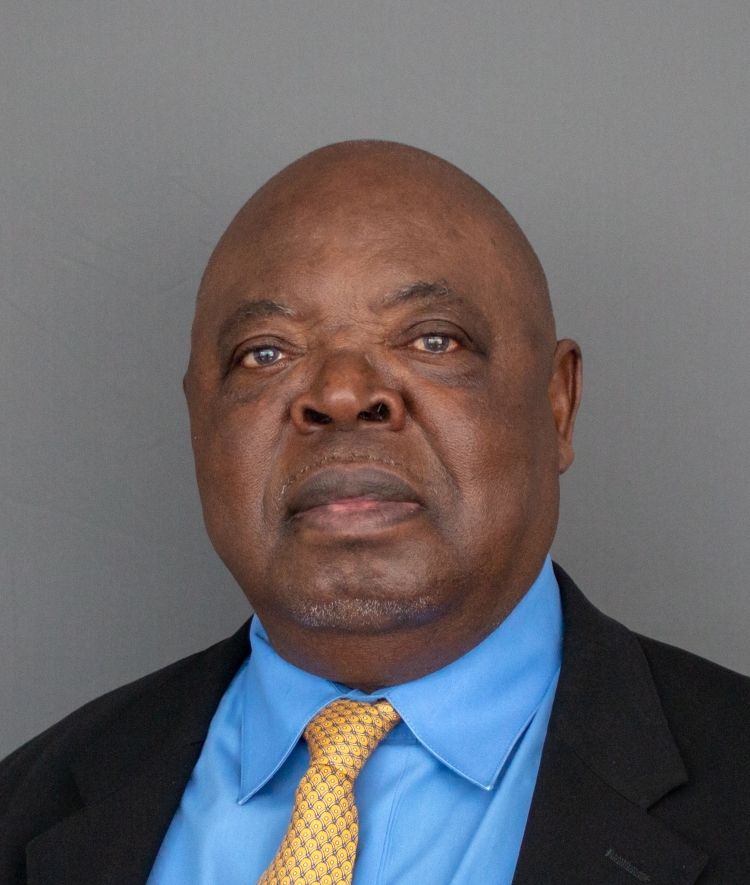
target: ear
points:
(565, 390)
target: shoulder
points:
(707, 688)
(707, 707)
(150, 706)
(691, 689)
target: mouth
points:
(353, 500)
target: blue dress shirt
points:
(443, 799)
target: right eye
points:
(266, 355)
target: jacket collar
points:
(608, 757)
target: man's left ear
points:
(565, 390)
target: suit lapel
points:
(133, 774)
(608, 757)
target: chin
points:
(364, 615)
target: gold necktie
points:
(320, 845)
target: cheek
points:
(499, 450)
(233, 464)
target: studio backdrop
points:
(130, 133)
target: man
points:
(380, 413)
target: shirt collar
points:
(469, 714)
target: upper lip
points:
(336, 483)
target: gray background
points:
(130, 133)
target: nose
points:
(348, 394)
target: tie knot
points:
(345, 732)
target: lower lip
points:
(356, 515)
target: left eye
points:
(262, 356)
(436, 343)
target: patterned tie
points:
(321, 843)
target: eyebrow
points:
(422, 291)
(253, 310)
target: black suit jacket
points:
(645, 773)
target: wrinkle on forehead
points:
(367, 190)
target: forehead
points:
(339, 255)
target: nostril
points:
(379, 412)
(313, 417)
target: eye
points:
(266, 355)
(436, 343)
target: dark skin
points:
(380, 412)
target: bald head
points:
(373, 189)
(379, 411)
